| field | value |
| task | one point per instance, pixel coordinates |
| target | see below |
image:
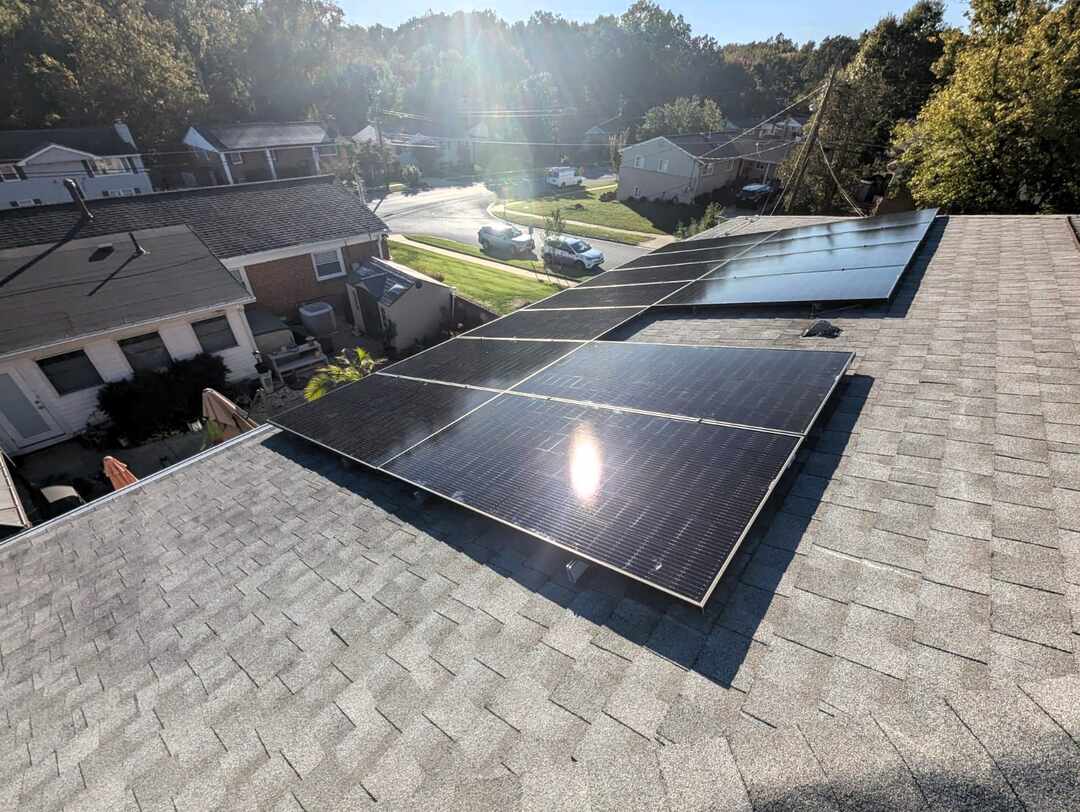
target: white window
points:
(110, 166)
(214, 334)
(328, 264)
(236, 158)
(21, 204)
(639, 161)
(327, 150)
(9, 172)
(663, 164)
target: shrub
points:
(607, 197)
(160, 401)
(410, 175)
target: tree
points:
(1001, 134)
(347, 367)
(683, 115)
(616, 143)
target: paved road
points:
(458, 212)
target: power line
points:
(766, 121)
(836, 180)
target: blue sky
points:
(727, 20)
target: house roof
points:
(59, 291)
(387, 281)
(18, 144)
(898, 632)
(232, 220)
(728, 146)
(258, 135)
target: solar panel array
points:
(650, 459)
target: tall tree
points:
(1001, 135)
(681, 116)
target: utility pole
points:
(804, 156)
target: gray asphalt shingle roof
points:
(233, 220)
(18, 144)
(265, 134)
(55, 292)
(266, 627)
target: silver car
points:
(572, 252)
(506, 240)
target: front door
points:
(22, 415)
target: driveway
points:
(458, 212)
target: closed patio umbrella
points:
(118, 473)
(224, 419)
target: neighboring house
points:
(261, 621)
(78, 313)
(681, 167)
(401, 306)
(103, 161)
(790, 127)
(439, 147)
(248, 153)
(291, 241)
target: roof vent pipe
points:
(139, 250)
(73, 190)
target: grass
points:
(585, 205)
(534, 265)
(594, 232)
(499, 291)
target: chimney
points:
(73, 190)
(123, 131)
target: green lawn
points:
(533, 265)
(593, 232)
(585, 205)
(500, 291)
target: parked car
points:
(572, 252)
(755, 193)
(560, 176)
(506, 239)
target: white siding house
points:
(94, 310)
(103, 161)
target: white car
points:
(572, 252)
(560, 176)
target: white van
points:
(560, 176)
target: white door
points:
(22, 414)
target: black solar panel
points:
(481, 362)
(378, 417)
(662, 500)
(689, 253)
(634, 276)
(866, 284)
(836, 259)
(774, 389)
(568, 324)
(628, 295)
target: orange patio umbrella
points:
(224, 418)
(118, 473)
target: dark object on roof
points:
(259, 135)
(51, 293)
(822, 329)
(233, 220)
(100, 141)
(386, 281)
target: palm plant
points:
(346, 367)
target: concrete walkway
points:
(535, 276)
(650, 241)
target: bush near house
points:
(155, 402)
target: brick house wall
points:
(282, 285)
